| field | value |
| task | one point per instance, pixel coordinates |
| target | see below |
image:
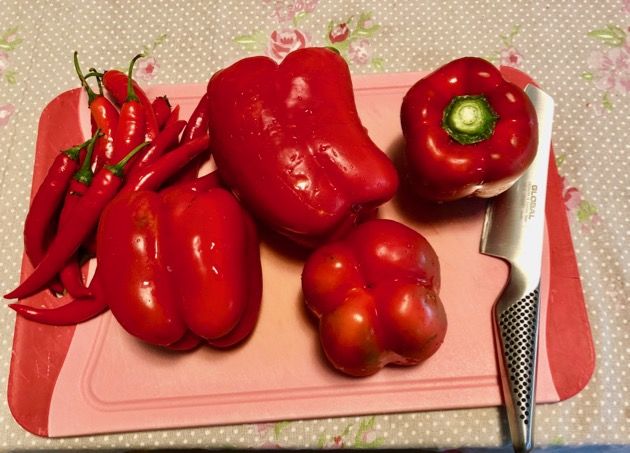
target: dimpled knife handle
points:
(517, 323)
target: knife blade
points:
(513, 230)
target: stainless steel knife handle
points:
(516, 317)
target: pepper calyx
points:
(469, 119)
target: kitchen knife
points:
(513, 230)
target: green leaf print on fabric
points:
(9, 41)
(609, 68)
(610, 35)
(578, 209)
(254, 42)
(354, 435)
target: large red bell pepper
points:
(180, 264)
(468, 131)
(288, 140)
(376, 296)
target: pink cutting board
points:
(94, 378)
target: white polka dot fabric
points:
(578, 51)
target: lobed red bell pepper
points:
(375, 293)
(289, 142)
(469, 132)
(180, 265)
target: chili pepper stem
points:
(91, 94)
(118, 168)
(131, 95)
(99, 75)
(73, 152)
(85, 174)
(469, 119)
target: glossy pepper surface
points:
(82, 221)
(376, 296)
(289, 142)
(180, 263)
(116, 83)
(469, 132)
(104, 117)
(131, 127)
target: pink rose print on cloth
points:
(339, 33)
(281, 42)
(9, 41)
(147, 68)
(510, 57)
(293, 10)
(350, 37)
(6, 110)
(611, 69)
(359, 51)
(577, 207)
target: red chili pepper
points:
(469, 132)
(288, 139)
(375, 293)
(71, 313)
(197, 127)
(199, 120)
(162, 108)
(173, 117)
(166, 140)
(116, 83)
(131, 123)
(152, 176)
(70, 275)
(104, 116)
(200, 184)
(84, 219)
(41, 218)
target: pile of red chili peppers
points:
(140, 150)
(178, 258)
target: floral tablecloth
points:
(579, 51)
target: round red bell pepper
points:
(288, 141)
(180, 265)
(376, 296)
(468, 131)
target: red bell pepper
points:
(469, 132)
(376, 296)
(288, 140)
(179, 264)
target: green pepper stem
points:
(85, 174)
(131, 94)
(74, 152)
(84, 84)
(469, 119)
(118, 168)
(99, 75)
